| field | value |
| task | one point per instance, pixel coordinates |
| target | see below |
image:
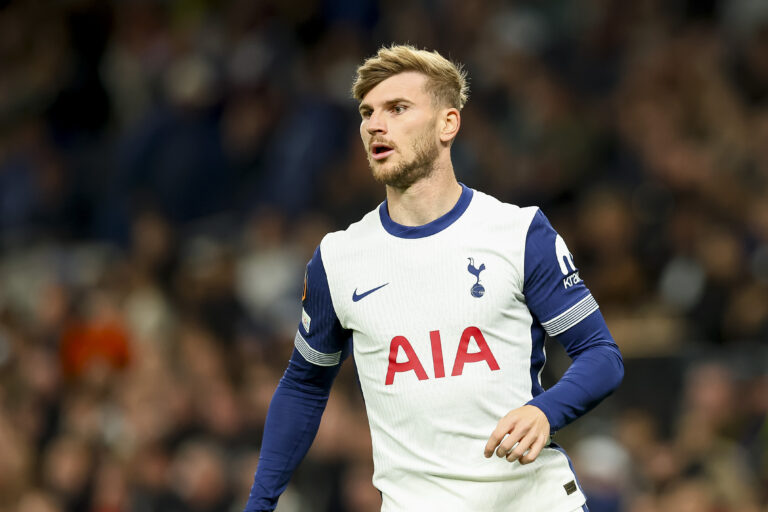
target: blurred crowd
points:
(167, 168)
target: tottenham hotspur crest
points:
(477, 289)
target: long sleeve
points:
(564, 308)
(597, 369)
(321, 345)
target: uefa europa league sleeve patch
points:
(305, 320)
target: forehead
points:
(410, 85)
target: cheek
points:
(423, 137)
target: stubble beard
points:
(425, 150)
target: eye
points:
(399, 109)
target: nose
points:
(375, 124)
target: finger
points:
(535, 449)
(501, 430)
(492, 443)
(523, 446)
(510, 442)
(516, 434)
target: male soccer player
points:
(444, 294)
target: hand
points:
(528, 428)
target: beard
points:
(405, 174)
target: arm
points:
(597, 369)
(292, 422)
(321, 345)
(565, 309)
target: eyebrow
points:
(388, 103)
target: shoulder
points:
(504, 227)
(498, 212)
(338, 244)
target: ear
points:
(449, 124)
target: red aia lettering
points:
(437, 354)
(412, 363)
(462, 355)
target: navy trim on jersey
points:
(437, 225)
(538, 358)
(559, 448)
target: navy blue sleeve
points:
(320, 346)
(564, 308)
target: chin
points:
(381, 171)
(382, 178)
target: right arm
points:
(321, 345)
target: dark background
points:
(168, 167)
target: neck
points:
(426, 200)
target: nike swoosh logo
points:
(356, 297)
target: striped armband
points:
(571, 316)
(315, 356)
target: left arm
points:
(597, 369)
(555, 292)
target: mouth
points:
(379, 150)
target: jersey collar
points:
(437, 225)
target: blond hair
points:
(447, 81)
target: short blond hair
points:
(447, 80)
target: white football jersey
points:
(446, 343)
